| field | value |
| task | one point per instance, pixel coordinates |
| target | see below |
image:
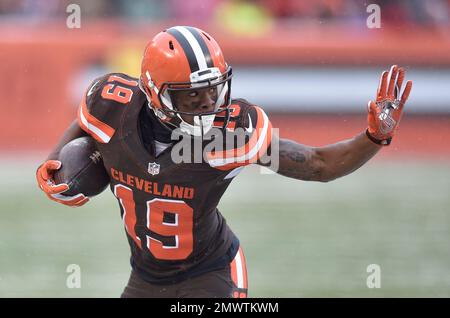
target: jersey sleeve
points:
(102, 104)
(255, 128)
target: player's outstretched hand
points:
(385, 113)
(44, 176)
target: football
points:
(82, 168)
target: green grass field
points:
(301, 239)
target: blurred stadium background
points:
(313, 65)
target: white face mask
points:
(207, 121)
(200, 126)
(205, 125)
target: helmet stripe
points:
(187, 48)
(203, 46)
(194, 47)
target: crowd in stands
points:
(419, 12)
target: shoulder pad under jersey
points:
(251, 122)
(103, 103)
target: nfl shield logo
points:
(153, 168)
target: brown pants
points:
(229, 282)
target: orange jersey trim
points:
(94, 127)
(254, 149)
(238, 269)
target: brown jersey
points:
(169, 209)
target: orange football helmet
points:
(184, 58)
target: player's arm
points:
(96, 117)
(333, 161)
(74, 131)
(46, 171)
(324, 163)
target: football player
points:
(181, 245)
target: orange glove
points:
(385, 113)
(44, 176)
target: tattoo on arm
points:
(324, 163)
(295, 155)
(299, 161)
